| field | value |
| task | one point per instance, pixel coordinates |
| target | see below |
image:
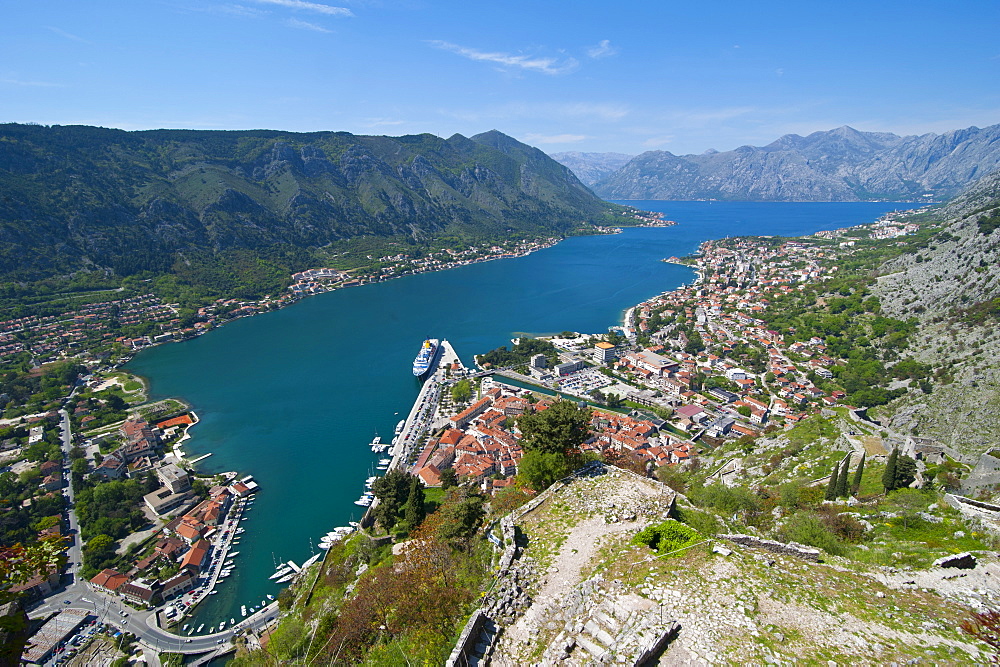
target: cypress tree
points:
(413, 511)
(842, 479)
(856, 483)
(889, 476)
(831, 488)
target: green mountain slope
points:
(77, 197)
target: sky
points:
(586, 76)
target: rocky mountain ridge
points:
(591, 168)
(843, 164)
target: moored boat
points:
(425, 357)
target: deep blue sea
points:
(294, 396)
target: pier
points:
(424, 407)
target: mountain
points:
(838, 165)
(592, 167)
(949, 286)
(78, 197)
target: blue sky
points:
(586, 76)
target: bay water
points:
(293, 397)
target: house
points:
(111, 467)
(139, 591)
(429, 475)
(194, 559)
(190, 530)
(180, 583)
(39, 586)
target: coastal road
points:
(75, 551)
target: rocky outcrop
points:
(962, 561)
(782, 548)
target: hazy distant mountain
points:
(592, 167)
(76, 197)
(838, 165)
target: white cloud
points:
(602, 50)
(532, 63)
(68, 35)
(237, 10)
(554, 138)
(658, 142)
(305, 25)
(309, 7)
(383, 122)
(30, 84)
(779, 71)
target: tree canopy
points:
(560, 428)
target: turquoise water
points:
(293, 397)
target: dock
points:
(421, 415)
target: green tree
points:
(842, 478)
(831, 488)
(448, 478)
(562, 427)
(413, 510)
(539, 469)
(462, 391)
(392, 492)
(889, 475)
(906, 471)
(78, 466)
(856, 483)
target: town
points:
(687, 371)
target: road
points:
(77, 594)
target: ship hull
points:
(425, 357)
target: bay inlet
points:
(294, 396)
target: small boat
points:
(234, 554)
(270, 597)
(400, 425)
(285, 579)
(232, 621)
(200, 627)
(213, 592)
(280, 572)
(222, 626)
(185, 628)
(243, 609)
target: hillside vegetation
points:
(109, 202)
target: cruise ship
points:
(425, 357)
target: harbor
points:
(313, 399)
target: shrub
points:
(666, 537)
(703, 522)
(806, 528)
